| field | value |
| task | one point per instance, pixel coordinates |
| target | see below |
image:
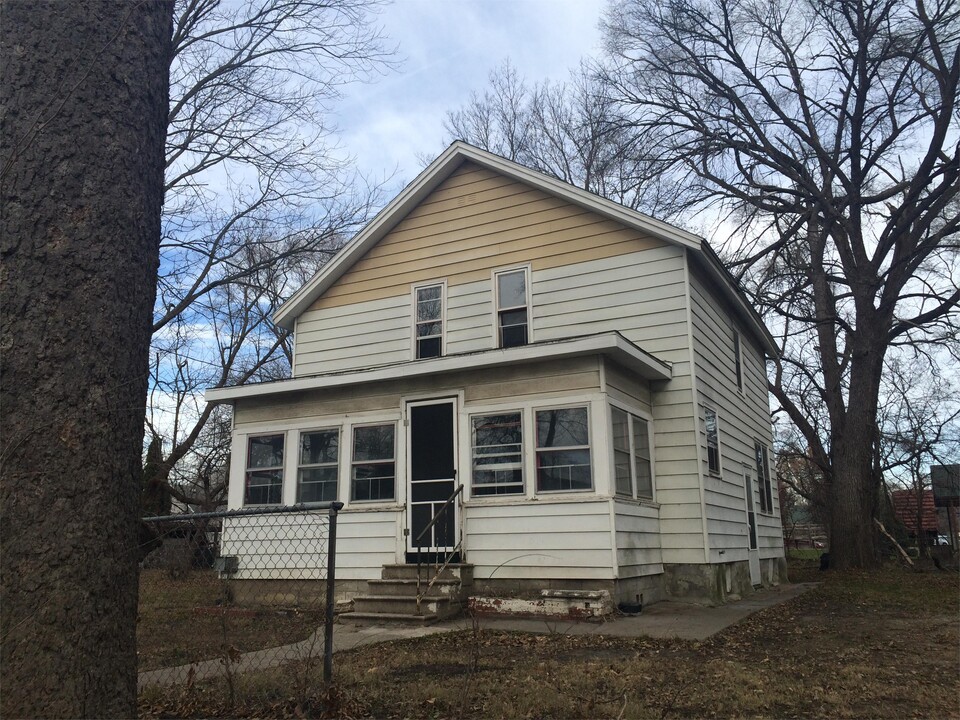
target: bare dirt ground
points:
(862, 645)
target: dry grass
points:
(862, 645)
(190, 618)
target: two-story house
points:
(590, 377)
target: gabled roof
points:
(445, 165)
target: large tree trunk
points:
(84, 93)
(854, 490)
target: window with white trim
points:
(318, 469)
(563, 450)
(497, 451)
(713, 440)
(737, 360)
(373, 463)
(631, 453)
(763, 477)
(428, 325)
(264, 473)
(513, 315)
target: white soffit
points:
(613, 345)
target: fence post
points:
(331, 581)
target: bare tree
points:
(828, 131)
(257, 193)
(572, 131)
(919, 425)
(84, 98)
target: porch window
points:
(512, 311)
(373, 472)
(317, 474)
(763, 477)
(713, 440)
(264, 476)
(631, 455)
(497, 454)
(563, 450)
(429, 321)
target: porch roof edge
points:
(612, 344)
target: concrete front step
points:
(453, 571)
(408, 588)
(393, 599)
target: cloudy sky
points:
(447, 49)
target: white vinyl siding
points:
(638, 540)
(559, 540)
(745, 419)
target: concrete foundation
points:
(707, 584)
(645, 590)
(530, 588)
(558, 604)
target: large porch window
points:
(563, 450)
(497, 451)
(264, 475)
(374, 467)
(317, 474)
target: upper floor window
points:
(737, 360)
(713, 440)
(317, 473)
(497, 454)
(428, 327)
(374, 462)
(631, 453)
(513, 316)
(563, 450)
(264, 476)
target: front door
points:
(433, 478)
(752, 552)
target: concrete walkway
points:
(667, 619)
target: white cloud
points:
(448, 50)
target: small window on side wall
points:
(737, 360)
(374, 465)
(563, 450)
(428, 327)
(264, 476)
(763, 477)
(713, 440)
(513, 316)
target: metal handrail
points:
(442, 512)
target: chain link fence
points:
(236, 608)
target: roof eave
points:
(610, 344)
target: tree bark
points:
(84, 96)
(855, 487)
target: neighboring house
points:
(591, 376)
(936, 523)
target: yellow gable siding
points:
(476, 221)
